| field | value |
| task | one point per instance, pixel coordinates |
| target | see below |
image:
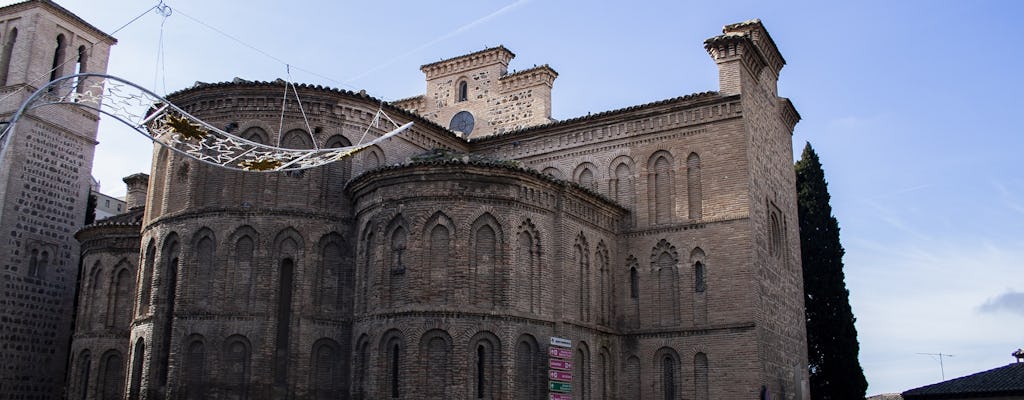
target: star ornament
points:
(185, 128)
(260, 164)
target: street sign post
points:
(561, 342)
(559, 364)
(558, 352)
(560, 396)
(560, 376)
(560, 387)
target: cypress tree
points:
(832, 347)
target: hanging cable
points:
(280, 125)
(305, 119)
(161, 68)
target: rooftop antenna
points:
(939, 355)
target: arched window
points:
(661, 189)
(195, 368)
(361, 368)
(255, 134)
(237, 352)
(112, 378)
(668, 372)
(604, 295)
(553, 172)
(395, 266)
(284, 318)
(146, 283)
(634, 283)
(331, 280)
(94, 299)
(530, 379)
(392, 346)
(5, 55)
(169, 266)
(138, 361)
(203, 292)
(693, 188)
(463, 91)
(435, 348)
(84, 369)
(528, 273)
(606, 373)
(582, 259)
(624, 188)
(581, 372)
(485, 366)
(586, 179)
(83, 59)
(365, 276)
(58, 58)
(699, 283)
(296, 139)
(241, 286)
(700, 376)
(633, 383)
(326, 375)
(120, 315)
(485, 289)
(38, 263)
(665, 261)
(438, 261)
(775, 235)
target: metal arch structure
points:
(168, 125)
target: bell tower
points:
(44, 186)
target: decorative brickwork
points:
(658, 238)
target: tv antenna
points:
(939, 355)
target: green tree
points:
(832, 347)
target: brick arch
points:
(372, 157)
(485, 365)
(665, 276)
(437, 238)
(393, 362)
(333, 270)
(553, 172)
(586, 175)
(255, 133)
(661, 187)
(602, 262)
(236, 359)
(527, 274)
(668, 375)
(296, 138)
(326, 378)
(361, 366)
(120, 297)
(581, 257)
(110, 383)
(396, 260)
(435, 350)
(204, 268)
(529, 380)
(288, 243)
(487, 265)
(581, 369)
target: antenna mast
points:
(941, 367)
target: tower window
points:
(463, 93)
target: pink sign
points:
(560, 396)
(560, 364)
(559, 352)
(560, 376)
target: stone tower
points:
(44, 185)
(476, 96)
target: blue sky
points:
(910, 104)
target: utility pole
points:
(939, 355)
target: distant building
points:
(660, 239)
(108, 206)
(1003, 383)
(44, 188)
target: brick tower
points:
(44, 184)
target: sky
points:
(911, 106)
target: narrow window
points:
(693, 188)
(33, 264)
(58, 58)
(138, 358)
(195, 365)
(484, 257)
(83, 58)
(284, 317)
(394, 371)
(236, 360)
(113, 376)
(120, 316)
(5, 55)
(438, 262)
(146, 282)
(700, 378)
(634, 283)
(171, 277)
(661, 180)
(83, 374)
(668, 371)
(699, 284)
(481, 367)
(463, 91)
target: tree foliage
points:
(832, 347)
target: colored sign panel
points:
(559, 352)
(560, 364)
(560, 396)
(560, 376)
(560, 387)
(561, 342)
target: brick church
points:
(660, 240)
